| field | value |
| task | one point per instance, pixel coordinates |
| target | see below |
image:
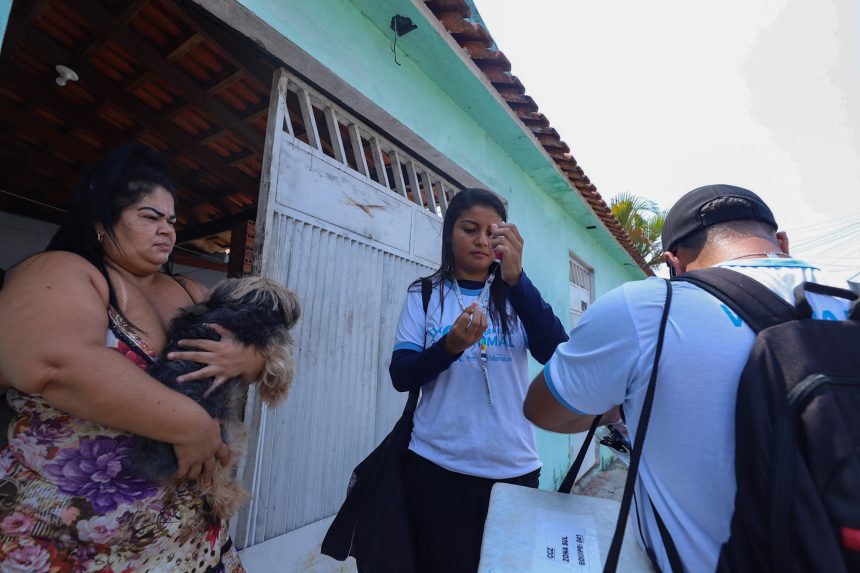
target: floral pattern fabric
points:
(70, 503)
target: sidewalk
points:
(606, 484)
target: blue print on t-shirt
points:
(736, 320)
(492, 337)
(827, 315)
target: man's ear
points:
(674, 263)
(782, 239)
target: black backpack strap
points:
(804, 307)
(567, 483)
(426, 292)
(756, 304)
(615, 549)
(668, 544)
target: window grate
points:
(316, 121)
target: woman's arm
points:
(543, 328)
(411, 369)
(54, 316)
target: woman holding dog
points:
(81, 323)
(468, 355)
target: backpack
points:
(797, 460)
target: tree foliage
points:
(643, 221)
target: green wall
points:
(437, 96)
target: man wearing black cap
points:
(687, 466)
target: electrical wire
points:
(837, 235)
(32, 201)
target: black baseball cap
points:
(686, 216)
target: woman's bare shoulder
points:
(196, 290)
(55, 268)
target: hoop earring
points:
(99, 236)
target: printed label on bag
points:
(566, 542)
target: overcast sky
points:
(657, 98)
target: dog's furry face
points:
(257, 292)
(261, 313)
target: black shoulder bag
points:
(372, 525)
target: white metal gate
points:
(347, 220)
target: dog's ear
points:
(291, 308)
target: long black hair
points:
(462, 201)
(129, 173)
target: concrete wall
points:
(435, 93)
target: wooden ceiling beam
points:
(62, 175)
(215, 226)
(84, 118)
(53, 97)
(135, 83)
(131, 10)
(15, 206)
(197, 261)
(35, 187)
(34, 125)
(184, 47)
(226, 82)
(110, 27)
(254, 62)
(19, 31)
(35, 10)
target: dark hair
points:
(130, 172)
(727, 230)
(466, 199)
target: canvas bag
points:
(373, 523)
(797, 459)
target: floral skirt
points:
(69, 503)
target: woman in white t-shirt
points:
(468, 355)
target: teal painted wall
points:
(438, 97)
(5, 9)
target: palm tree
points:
(643, 221)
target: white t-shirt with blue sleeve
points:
(687, 468)
(455, 426)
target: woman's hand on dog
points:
(224, 359)
(197, 455)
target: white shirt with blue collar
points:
(687, 468)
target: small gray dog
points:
(260, 313)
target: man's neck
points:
(753, 247)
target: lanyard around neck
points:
(483, 304)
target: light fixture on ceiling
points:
(64, 74)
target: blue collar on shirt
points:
(766, 262)
(468, 288)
